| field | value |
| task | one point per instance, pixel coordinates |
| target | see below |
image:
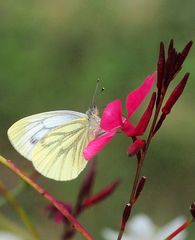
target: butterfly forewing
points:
(59, 154)
(27, 132)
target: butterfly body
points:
(54, 141)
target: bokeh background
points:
(52, 52)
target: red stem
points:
(179, 229)
(9, 164)
(140, 160)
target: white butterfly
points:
(54, 141)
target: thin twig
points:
(19, 210)
(140, 162)
(9, 164)
(179, 229)
(19, 188)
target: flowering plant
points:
(112, 118)
(141, 134)
(149, 230)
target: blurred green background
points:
(52, 52)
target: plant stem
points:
(140, 160)
(179, 229)
(9, 164)
(19, 210)
(14, 192)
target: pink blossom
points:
(112, 119)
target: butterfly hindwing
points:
(59, 154)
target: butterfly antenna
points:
(94, 94)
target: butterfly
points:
(54, 141)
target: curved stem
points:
(19, 210)
(9, 164)
(19, 188)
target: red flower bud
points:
(192, 209)
(104, 193)
(168, 68)
(88, 181)
(170, 48)
(140, 187)
(159, 123)
(86, 187)
(175, 95)
(160, 66)
(170, 63)
(135, 147)
(126, 214)
(182, 56)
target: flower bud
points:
(183, 56)
(88, 181)
(175, 95)
(135, 147)
(105, 192)
(160, 66)
(86, 187)
(140, 187)
(192, 209)
(126, 214)
(159, 123)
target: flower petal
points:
(128, 128)
(96, 145)
(109, 234)
(136, 97)
(112, 116)
(145, 119)
(143, 222)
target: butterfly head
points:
(92, 112)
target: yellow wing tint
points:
(27, 132)
(59, 154)
(21, 136)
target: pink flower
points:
(112, 119)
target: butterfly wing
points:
(59, 154)
(54, 141)
(27, 132)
